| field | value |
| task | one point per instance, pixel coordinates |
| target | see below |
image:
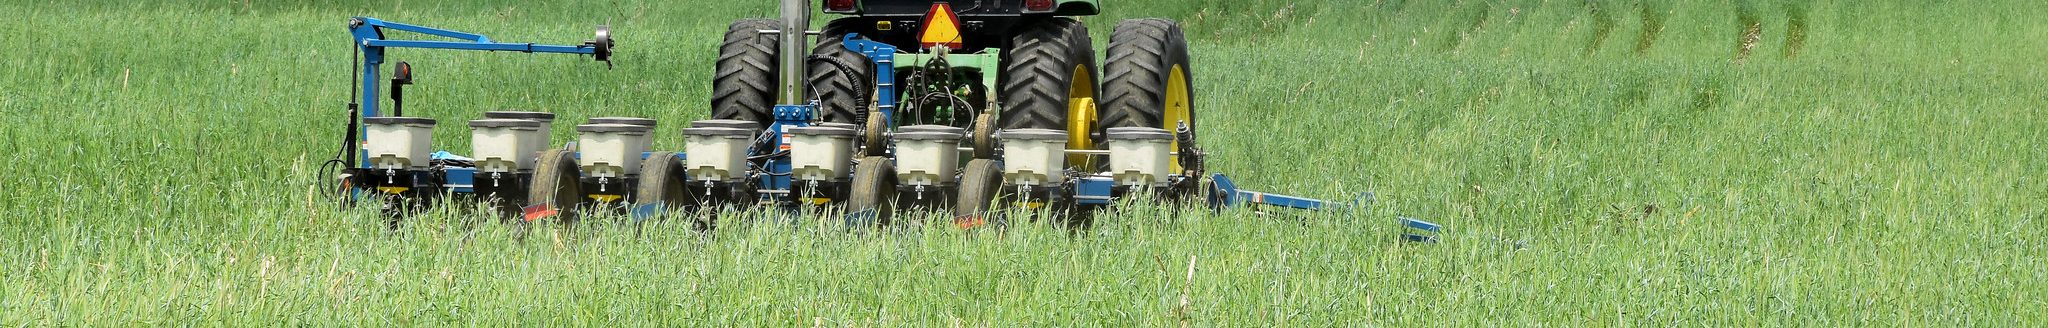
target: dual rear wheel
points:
(1048, 80)
(744, 79)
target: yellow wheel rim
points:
(1178, 107)
(1080, 116)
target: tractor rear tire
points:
(980, 182)
(1146, 56)
(1049, 67)
(1149, 82)
(660, 186)
(555, 186)
(874, 183)
(744, 83)
(840, 95)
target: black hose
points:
(342, 157)
(444, 163)
(846, 71)
(355, 75)
(329, 168)
(955, 100)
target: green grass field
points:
(1687, 163)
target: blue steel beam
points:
(1225, 193)
(490, 46)
(883, 56)
(424, 30)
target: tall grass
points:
(1598, 163)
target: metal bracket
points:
(883, 56)
(1419, 231)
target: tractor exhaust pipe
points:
(796, 19)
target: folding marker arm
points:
(468, 41)
(485, 46)
(376, 23)
(369, 33)
(369, 39)
(1224, 193)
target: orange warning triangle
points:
(940, 27)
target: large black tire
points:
(840, 95)
(1149, 82)
(743, 86)
(660, 185)
(555, 187)
(1142, 54)
(979, 183)
(1038, 72)
(869, 198)
(1141, 58)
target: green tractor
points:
(980, 65)
(1026, 61)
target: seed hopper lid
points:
(505, 123)
(926, 135)
(717, 132)
(1139, 133)
(736, 124)
(623, 120)
(397, 120)
(848, 126)
(1032, 134)
(826, 131)
(933, 128)
(613, 128)
(543, 117)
